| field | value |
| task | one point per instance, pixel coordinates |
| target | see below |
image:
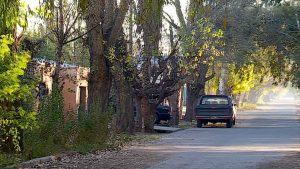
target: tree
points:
(104, 29)
(156, 75)
(14, 90)
(63, 21)
(279, 29)
(201, 42)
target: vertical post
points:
(298, 23)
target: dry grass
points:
(185, 124)
(248, 106)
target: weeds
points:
(8, 159)
(185, 124)
(248, 106)
(87, 132)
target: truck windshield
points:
(214, 100)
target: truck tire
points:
(199, 124)
(229, 123)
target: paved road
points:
(259, 136)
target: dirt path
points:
(123, 159)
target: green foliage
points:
(240, 80)
(269, 62)
(50, 136)
(13, 92)
(278, 31)
(202, 45)
(8, 159)
(16, 15)
(247, 106)
(92, 131)
(51, 115)
(87, 132)
(212, 85)
(150, 6)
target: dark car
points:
(214, 109)
(163, 112)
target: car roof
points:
(215, 96)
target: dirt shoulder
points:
(291, 161)
(125, 158)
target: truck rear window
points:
(214, 100)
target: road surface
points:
(260, 136)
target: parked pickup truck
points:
(214, 109)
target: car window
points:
(214, 100)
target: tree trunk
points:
(131, 28)
(59, 44)
(138, 115)
(148, 110)
(124, 92)
(175, 102)
(190, 103)
(125, 121)
(221, 86)
(100, 76)
(59, 54)
(152, 34)
(193, 96)
(181, 103)
(194, 92)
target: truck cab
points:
(215, 109)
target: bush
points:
(86, 133)
(50, 137)
(14, 93)
(7, 160)
(93, 132)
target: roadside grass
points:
(9, 159)
(185, 125)
(145, 137)
(248, 106)
(117, 142)
(42, 148)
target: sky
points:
(168, 8)
(32, 3)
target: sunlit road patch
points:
(260, 136)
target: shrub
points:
(86, 133)
(50, 137)
(8, 159)
(93, 132)
(13, 94)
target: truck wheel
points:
(229, 123)
(199, 124)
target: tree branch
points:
(117, 27)
(170, 21)
(80, 36)
(180, 14)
